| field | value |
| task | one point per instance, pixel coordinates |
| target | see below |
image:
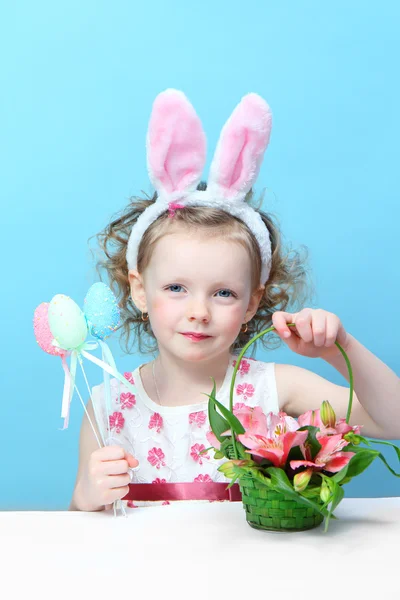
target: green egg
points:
(67, 322)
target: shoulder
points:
(116, 387)
(260, 376)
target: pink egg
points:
(41, 328)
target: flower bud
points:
(328, 416)
(325, 492)
(231, 468)
(301, 480)
(352, 438)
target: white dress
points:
(167, 441)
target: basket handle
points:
(272, 329)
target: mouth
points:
(196, 337)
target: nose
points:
(198, 311)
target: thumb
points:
(132, 461)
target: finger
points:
(117, 481)
(116, 494)
(109, 453)
(279, 321)
(132, 461)
(115, 467)
(303, 325)
(332, 328)
(319, 319)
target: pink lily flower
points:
(313, 417)
(274, 449)
(253, 420)
(329, 458)
(213, 440)
(279, 424)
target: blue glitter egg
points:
(101, 310)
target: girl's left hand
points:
(314, 334)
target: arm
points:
(103, 473)
(87, 445)
(376, 401)
(301, 390)
(377, 386)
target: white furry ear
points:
(240, 149)
(176, 145)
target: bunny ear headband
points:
(176, 155)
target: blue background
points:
(78, 81)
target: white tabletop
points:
(192, 550)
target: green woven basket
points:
(270, 510)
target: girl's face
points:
(199, 285)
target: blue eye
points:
(229, 292)
(178, 288)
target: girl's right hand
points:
(105, 478)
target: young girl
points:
(199, 272)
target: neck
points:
(186, 382)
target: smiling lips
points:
(195, 337)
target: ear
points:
(254, 303)
(241, 148)
(137, 290)
(176, 144)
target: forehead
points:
(186, 255)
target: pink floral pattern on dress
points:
(238, 406)
(195, 453)
(156, 458)
(158, 480)
(156, 422)
(116, 421)
(244, 367)
(129, 377)
(131, 504)
(166, 503)
(245, 389)
(203, 479)
(199, 418)
(127, 400)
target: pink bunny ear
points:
(176, 144)
(241, 148)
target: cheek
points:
(232, 320)
(159, 308)
(162, 310)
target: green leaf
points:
(311, 492)
(218, 455)
(231, 483)
(230, 469)
(383, 459)
(337, 496)
(206, 450)
(396, 448)
(218, 424)
(257, 474)
(311, 440)
(228, 449)
(281, 483)
(295, 453)
(357, 464)
(235, 424)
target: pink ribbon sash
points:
(152, 492)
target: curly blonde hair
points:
(287, 288)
